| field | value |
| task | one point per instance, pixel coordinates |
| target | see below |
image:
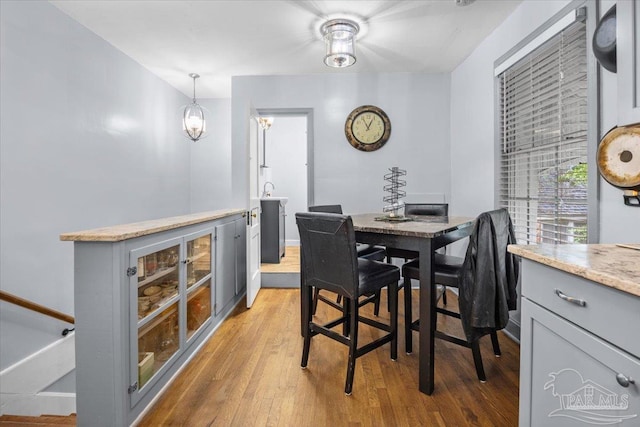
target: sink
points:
(282, 200)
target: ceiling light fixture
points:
(193, 122)
(340, 38)
(464, 2)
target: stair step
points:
(43, 420)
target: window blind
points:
(543, 136)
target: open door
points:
(253, 246)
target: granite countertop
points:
(419, 226)
(118, 233)
(611, 265)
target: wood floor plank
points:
(248, 374)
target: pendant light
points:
(340, 39)
(193, 120)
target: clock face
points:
(367, 128)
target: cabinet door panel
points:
(241, 255)
(570, 378)
(225, 264)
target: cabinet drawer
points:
(569, 377)
(608, 313)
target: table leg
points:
(427, 318)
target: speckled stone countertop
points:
(118, 233)
(420, 226)
(611, 265)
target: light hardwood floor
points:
(249, 374)
(290, 263)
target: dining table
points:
(423, 234)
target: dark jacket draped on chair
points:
(489, 276)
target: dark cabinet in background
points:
(273, 234)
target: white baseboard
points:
(22, 384)
(34, 405)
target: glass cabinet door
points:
(198, 307)
(198, 259)
(199, 281)
(157, 306)
(171, 291)
(158, 280)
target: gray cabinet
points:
(628, 61)
(144, 303)
(272, 244)
(579, 351)
(230, 262)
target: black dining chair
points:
(427, 209)
(371, 252)
(329, 261)
(486, 280)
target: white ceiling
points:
(219, 39)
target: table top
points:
(418, 226)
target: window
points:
(543, 136)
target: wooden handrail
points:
(4, 296)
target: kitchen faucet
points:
(266, 193)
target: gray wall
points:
(210, 160)
(417, 105)
(88, 138)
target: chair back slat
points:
(437, 209)
(328, 252)
(326, 208)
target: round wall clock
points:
(367, 128)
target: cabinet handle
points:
(572, 300)
(187, 261)
(624, 381)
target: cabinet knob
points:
(254, 215)
(624, 381)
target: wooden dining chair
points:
(329, 260)
(370, 252)
(486, 279)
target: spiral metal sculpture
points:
(392, 201)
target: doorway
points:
(286, 159)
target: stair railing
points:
(5, 296)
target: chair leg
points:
(392, 290)
(316, 293)
(477, 360)
(308, 303)
(353, 345)
(408, 316)
(444, 295)
(496, 344)
(346, 313)
(376, 304)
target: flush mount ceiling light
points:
(340, 38)
(464, 2)
(193, 122)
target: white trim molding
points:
(22, 384)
